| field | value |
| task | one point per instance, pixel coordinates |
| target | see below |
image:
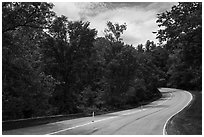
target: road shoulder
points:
(189, 120)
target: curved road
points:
(150, 119)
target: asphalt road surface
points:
(150, 119)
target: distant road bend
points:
(150, 119)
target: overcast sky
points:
(140, 17)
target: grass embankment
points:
(188, 121)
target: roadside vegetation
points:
(52, 65)
(188, 121)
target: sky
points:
(140, 17)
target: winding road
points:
(150, 119)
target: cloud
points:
(68, 9)
(161, 6)
(139, 17)
(139, 23)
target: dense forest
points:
(52, 65)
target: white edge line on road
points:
(164, 128)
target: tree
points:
(67, 51)
(140, 48)
(25, 14)
(182, 31)
(25, 88)
(126, 73)
(149, 46)
(114, 31)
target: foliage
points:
(182, 32)
(25, 14)
(67, 56)
(25, 88)
(114, 31)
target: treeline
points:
(52, 65)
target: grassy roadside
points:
(188, 121)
